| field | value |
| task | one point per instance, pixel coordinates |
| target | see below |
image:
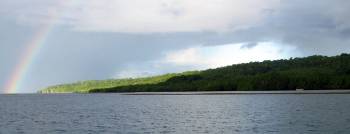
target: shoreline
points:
(241, 92)
(335, 91)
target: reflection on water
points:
(113, 113)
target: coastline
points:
(336, 91)
(241, 92)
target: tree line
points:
(309, 73)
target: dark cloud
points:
(249, 45)
(314, 27)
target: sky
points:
(48, 42)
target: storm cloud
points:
(100, 39)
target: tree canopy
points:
(309, 73)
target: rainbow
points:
(29, 54)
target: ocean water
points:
(123, 114)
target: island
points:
(295, 74)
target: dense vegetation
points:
(310, 73)
(86, 86)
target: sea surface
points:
(181, 114)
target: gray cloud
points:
(70, 54)
(314, 27)
(249, 45)
(139, 16)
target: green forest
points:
(309, 73)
